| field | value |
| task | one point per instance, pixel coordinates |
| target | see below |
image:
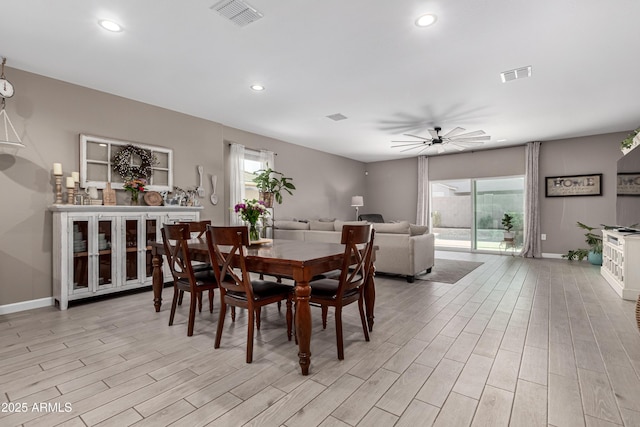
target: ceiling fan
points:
(455, 138)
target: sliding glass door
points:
(467, 214)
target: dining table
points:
(293, 259)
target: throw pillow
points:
(327, 219)
(401, 227)
(417, 230)
(290, 225)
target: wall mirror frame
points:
(96, 164)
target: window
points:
(252, 163)
(96, 168)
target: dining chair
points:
(237, 289)
(349, 286)
(197, 230)
(184, 277)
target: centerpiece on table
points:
(251, 211)
(135, 186)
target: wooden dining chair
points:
(197, 230)
(184, 276)
(237, 289)
(349, 286)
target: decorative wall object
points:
(574, 185)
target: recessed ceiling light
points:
(110, 25)
(426, 20)
(257, 88)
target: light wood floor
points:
(516, 342)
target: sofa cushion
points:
(327, 219)
(416, 230)
(338, 224)
(401, 227)
(291, 225)
(321, 225)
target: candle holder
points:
(58, 189)
(70, 200)
(77, 197)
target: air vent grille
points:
(337, 117)
(515, 74)
(237, 11)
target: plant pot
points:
(594, 258)
(509, 236)
(267, 198)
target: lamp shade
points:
(357, 201)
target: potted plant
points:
(594, 253)
(630, 141)
(507, 224)
(271, 184)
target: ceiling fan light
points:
(426, 20)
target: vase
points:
(594, 258)
(135, 198)
(253, 232)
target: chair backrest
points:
(226, 250)
(197, 226)
(178, 256)
(354, 266)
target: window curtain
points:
(267, 159)
(236, 181)
(422, 216)
(531, 246)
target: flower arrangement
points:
(135, 186)
(251, 211)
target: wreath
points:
(123, 162)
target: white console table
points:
(99, 250)
(620, 262)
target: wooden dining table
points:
(293, 259)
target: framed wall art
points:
(574, 185)
(628, 184)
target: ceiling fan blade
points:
(433, 133)
(456, 146)
(453, 132)
(472, 138)
(423, 149)
(417, 136)
(468, 134)
(440, 149)
(410, 148)
(407, 145)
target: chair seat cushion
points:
(204, 278)
(327, 288)
(264, 289)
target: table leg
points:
(157, 280)
(370, 298)
(303, 324)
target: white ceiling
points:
(363, 58)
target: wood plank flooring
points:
(516, 342)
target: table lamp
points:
(357, 201)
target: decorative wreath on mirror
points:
(123, 162)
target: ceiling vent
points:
(515, 74)
(337, 117)
(237, 11)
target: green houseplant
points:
(594, 253)
(507, 224)
(628, 141)
(271, 184)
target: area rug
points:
(449, 270)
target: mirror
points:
(628, 190)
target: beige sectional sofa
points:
(403, 248)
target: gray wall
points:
(49, 115)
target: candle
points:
(75, 176)
(70, 182)
(57, 168)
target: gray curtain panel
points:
(531, 247)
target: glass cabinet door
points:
(80, 265)
(105, 265)
(131, 241)
(151, 235)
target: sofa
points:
(402, 248)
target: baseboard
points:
(26, 305)
(547, 255)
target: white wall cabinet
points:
(620, 266)
(103, 249)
